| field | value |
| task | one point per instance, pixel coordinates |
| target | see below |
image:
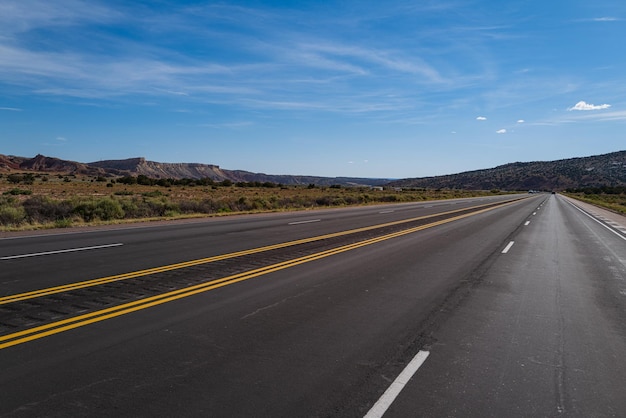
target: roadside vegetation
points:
(613, 198)
(31, 201)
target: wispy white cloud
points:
(605, 19)
(601, 116)
(11, 109)
(481, 118)
(23, 15)
(577, 117)
(582, 105)
(501, 131)
(226, 125)
(521, 121)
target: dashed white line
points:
(70, 250)
(527, 223)
(534, 213)
(508, 247)
(385, 401)
(304, 222)
(386, 211)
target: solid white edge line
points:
(508, 247)
(385, 401)
(71, 250)
(594, 219)
(304, 222)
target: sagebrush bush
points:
(42, 209)
(12, 216)
(105, 209)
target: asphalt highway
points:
(510, 310)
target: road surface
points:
(429, 309)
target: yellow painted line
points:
(109, 279)
(115, 311)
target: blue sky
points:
(388, 89)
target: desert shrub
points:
(105, 209)
(154, 193)
(161, 207)
(41, 209)
(323, 201)
(136, 208)
(16, 191)
(389, 198)
(15, 178)
(63, 223)
(330, 201)
(12, 216)
(127, 180)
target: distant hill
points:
(152, 169)
(136, 166)
(40, 163)
(599, 170)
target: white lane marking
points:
(387, 211)
(508, 247)
(534, 213)
(385, 401)
(428, 206)
(527, 223)
(304, 222)
(594, 219)
(70, 250)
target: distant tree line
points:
(205, 181)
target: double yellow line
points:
(112, 312)
(109, 279)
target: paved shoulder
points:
(613, 219)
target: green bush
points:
(17, 191)
(63, 223)
(154, 193)
(12, 216)
(15, 178)
(104, 209)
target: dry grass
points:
(63, 201)
(614, 202)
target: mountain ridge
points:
(140, 166)
(594, 171)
